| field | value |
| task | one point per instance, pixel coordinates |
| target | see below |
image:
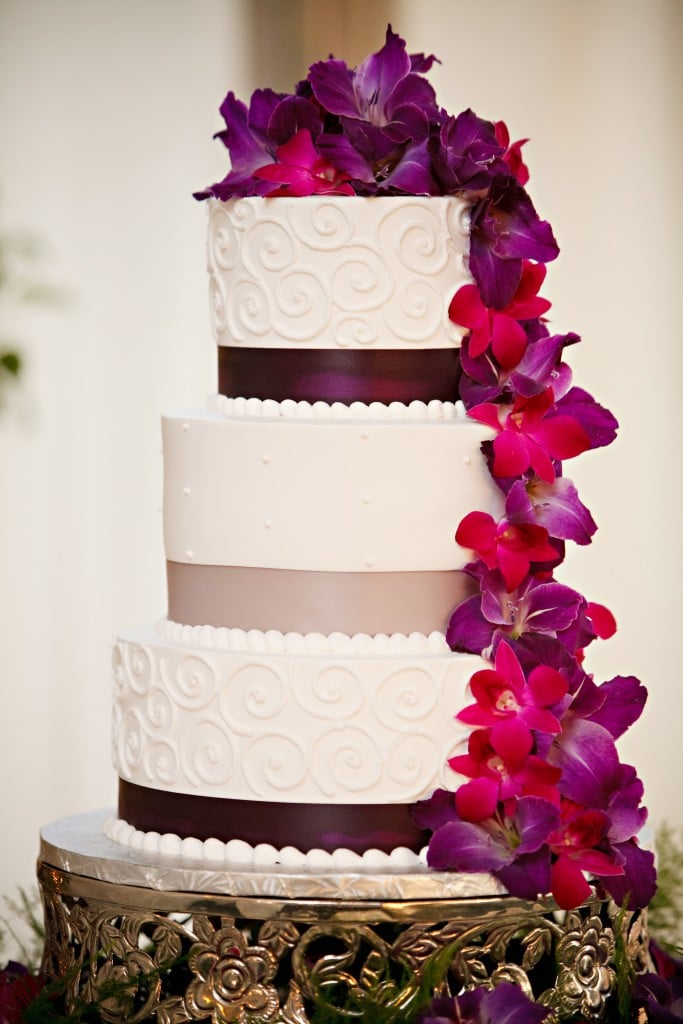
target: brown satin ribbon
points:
(328, 827)
(339, 375)
(294, 600)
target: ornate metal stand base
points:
(148, 953)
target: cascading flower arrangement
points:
(547, 799)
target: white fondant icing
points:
(311, 492)
(331, 271)
(361, 725)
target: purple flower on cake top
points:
(377, 129)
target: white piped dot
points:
(265, 855)
(268, 524)
(186, 491)
(239, 853)
(150, 842)
(191, 848)
(365, 499)
(265, 459)
(186, 427)
(468, 460)
(189, 554)
(214, 850)
(169, 844)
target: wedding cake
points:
(366, 645)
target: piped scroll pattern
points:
(313, 272)
(273, 725)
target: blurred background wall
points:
(107, 111)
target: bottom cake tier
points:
(151, 938)
(306, 741)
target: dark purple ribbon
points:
(339, 375)
(328, 827)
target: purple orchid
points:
(248, 145)
(540, 367)
(496, 844)
(504, 1004)
(555, 506)
(479, 623)
(506, 230)
(383, 92)
(468, 155)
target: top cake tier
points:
(337, 272)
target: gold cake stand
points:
(168, 940)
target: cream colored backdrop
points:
(107, 111)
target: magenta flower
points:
(504, 693)
(501, 767)
(500, 328)
(531, 434)
(505, 231)
(574, 844)
(299, 170)
(513, 153)
(505, 546)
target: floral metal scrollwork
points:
(158, 964)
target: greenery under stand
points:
(169, 955)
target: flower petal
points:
(567, 883)
(476, 800)
(462, 846)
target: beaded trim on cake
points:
(268, 408)
(238, 854)
(272, 641)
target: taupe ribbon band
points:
(298, 601)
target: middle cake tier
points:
(320, 518)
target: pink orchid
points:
(500, 328)
(501, 767)
(503, 693)
(531, 433)
(574, 844)
(506, 546)
(301, 171)
(513, 152)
